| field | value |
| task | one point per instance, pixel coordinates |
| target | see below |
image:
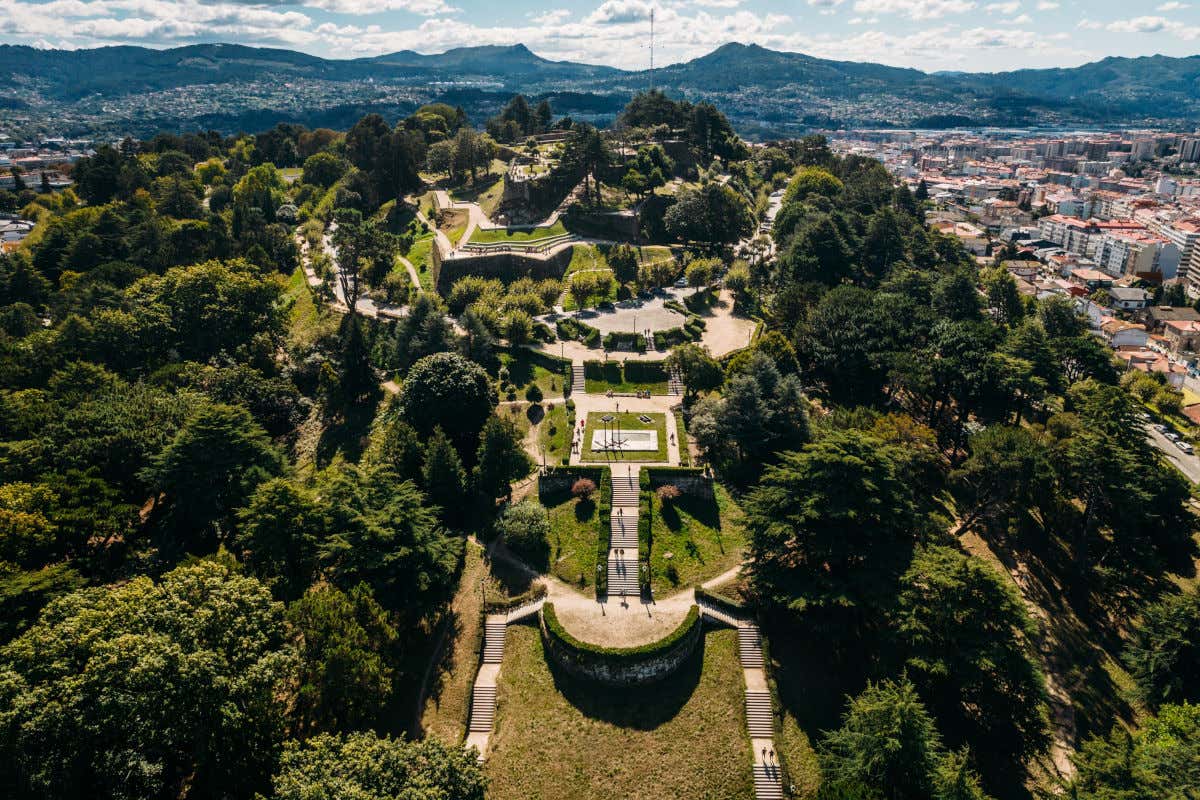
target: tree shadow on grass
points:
(640, 708)
(347, 434)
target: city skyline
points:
(931, 35)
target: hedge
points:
(643, 652)
(645, 372)
(645, 509)
(494, 606)
(665, 340)
(652, 472)
(608, 371)
(573, 329)
(604, 513)
(616, 339)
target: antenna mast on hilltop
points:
(652, 48)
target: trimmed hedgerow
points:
(604, 515)
(642, 652)
(617, 339)
(645, 508)
(607, 371)
(645, 372)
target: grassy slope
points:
(682, 738)
(624, 387)
(449, 697)
(555, 435)
(629, 422)
(522, 371)
(483, 235)
(573, 531)
(704, 538)
(419, 255)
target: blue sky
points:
(972, 35)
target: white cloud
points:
(425, 8)
(1155, 25)
(827, 5)
(1021, 19)
(717, 3)
(1003, 8)
(1173, 5)
(555, 16)
(914, 9)
(1090, 25)
(616, 12)
(1047, 5)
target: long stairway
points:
(674, 382)
(768, 782)
(750, 645)
(578, 385)
(758, 714)
(483, 708)
(623, 537)
(493, 640)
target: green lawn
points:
(595, 386)
(685, 455)
(558, 739)
(449, 697)
(554, 434)
(487, 191)
(522, 371)
(574, 527)
(305, 324)
(703, 537)
(586, 257)
(484, 236)
(420, 254)
(628, 422)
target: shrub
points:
(526, 529)
(533, 393)
(583, 488)
(668, 493)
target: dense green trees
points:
(140, 688)
(449, 392)
(367, 767)
(830, 528)
(889, 746)
(1164, 652)
(965, 636)
(711, 215)
(344, 646)
(1161, 760)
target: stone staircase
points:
(624, 532)
(750, 645)
(674, 382)
(493, 640)
(623, 576)
(521, 612)
(578, 386)
(713, 612)
(623, 536)
(483, 709)
(626, 492)
(758, 714)
(768, 782)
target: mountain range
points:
(764, 91)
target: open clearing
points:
(558, 739)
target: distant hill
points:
(763, 90)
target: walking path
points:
(759, 708)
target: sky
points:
(969, 35)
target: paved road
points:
(1188, 465)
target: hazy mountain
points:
(763, 90)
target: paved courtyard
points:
(632, 315)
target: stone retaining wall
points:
(616, 670)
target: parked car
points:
(1144, 416)
(1174, 437)
(681, 283)
(1185, 447)
(1159, 427)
